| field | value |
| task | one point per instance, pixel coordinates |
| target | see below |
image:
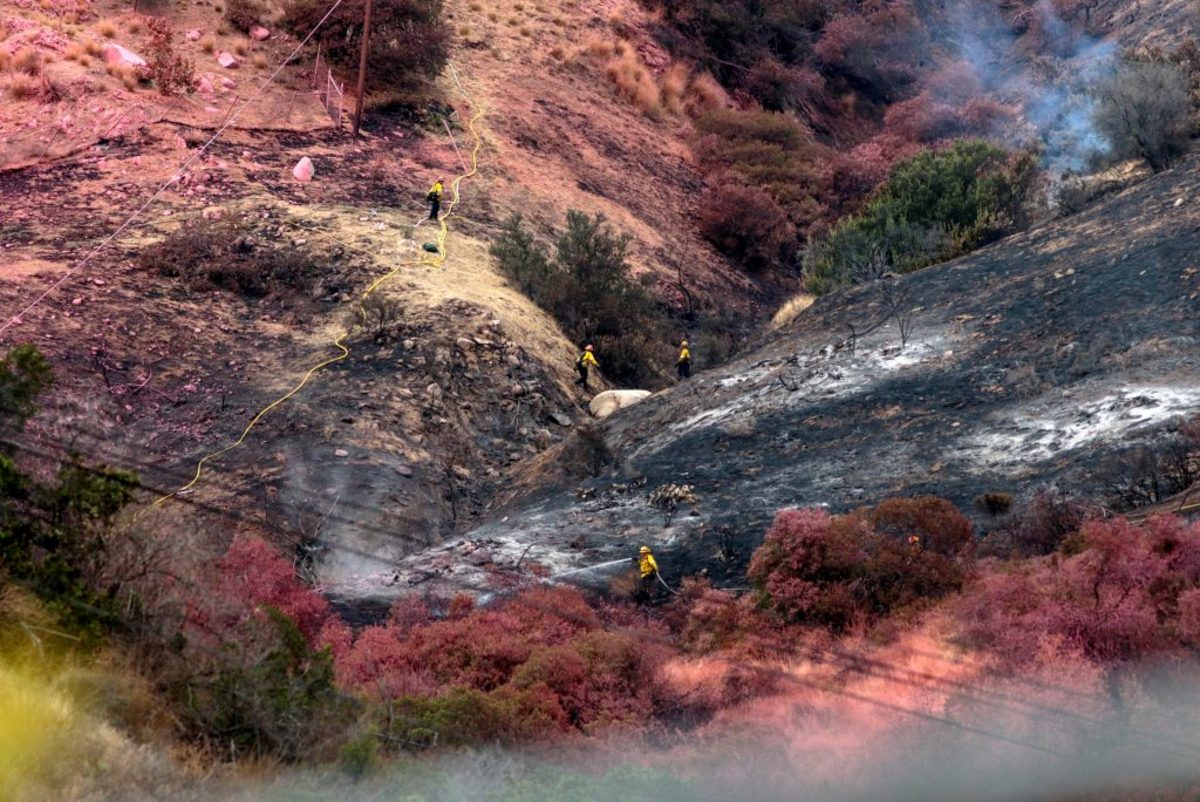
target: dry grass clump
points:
(791, 310)
(106, 29)
(93, 48)
(5, 60)
(28, 61)
(705, 94)
(134, 25)
(673, 86)
(260, 61)
(208, 44)
(22, 86)
(126, 74)
(632, 80)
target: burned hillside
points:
(1020, 367)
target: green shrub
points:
(282, 704)
(54, 536)
(934, 206)
(409, 42)
(588, 290)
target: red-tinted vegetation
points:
(838, 570)
(1117, 592)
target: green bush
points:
(283, 704)
(409, 42)
(54, 535)
(934, 206)
(588, 290)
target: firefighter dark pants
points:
(583, 376)
(684, 369)
(435, 206)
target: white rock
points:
(228, 60)
(303, 171)
(341, 452)
(608, 402)
(115, 54)
(193, 35)
(204, 86)
(258, 33)
(230, 84)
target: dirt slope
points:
(1026, 364)
(407, 440)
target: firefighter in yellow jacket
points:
(586, 360)
(435, 199)
(683, 365)
(647, 574)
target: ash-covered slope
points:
(1026, 363)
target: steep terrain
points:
(1026, 364)
(410, 437)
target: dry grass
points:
(106, 29)
(705, 94)
(22, 86)
(124, 73)
(558, 53)
(93, 48)
(222, 30)
(674, 85)
(599, 48)
(5, 60)
(477, 7)
(28, 61)
(791, 310)
(260, 61)
(240, 48)
(73, 53)
(208, 44)
(633, 81)
(134, 25)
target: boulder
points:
(303, 171)
(204, 86)
(193, 35)
(115, 54)
(608, 402)
(228, 83)
(228, 60)
(258, 33)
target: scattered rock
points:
(464, 344)
(228, 60)
(228, 83)
(341, 452)
(404, 471)
(562, 419)
(303, 171)
(115, 54)
(193, 35)
(204, 86)
(518, 390)
(462, 472)
(258, 33)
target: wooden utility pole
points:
(362, 67)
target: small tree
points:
(1145, 111)
(170, 71)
